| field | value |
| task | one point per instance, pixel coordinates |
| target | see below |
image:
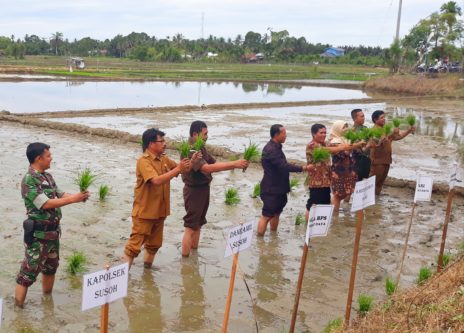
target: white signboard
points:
(364, 194)
(424, 186)
(1, 313)
(453, 176)
(104, 286)
(320, 217)
(239, 238)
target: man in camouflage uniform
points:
(43, 200)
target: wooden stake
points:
(229, 295)
(397, 283)
(354, 263)
(105, 309)
(298, 287)
(445, 230)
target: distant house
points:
(212, 55)
(333, 52)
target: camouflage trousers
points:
(40, 256)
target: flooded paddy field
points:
(180, 295)
(432, 150)
(83, 95)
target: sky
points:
(336, 22)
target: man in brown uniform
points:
(381, 154)
(151, 206)
(197, 188)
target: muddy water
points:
(432, 150)
(181, 295)
(82, 95)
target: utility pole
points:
(397, 37)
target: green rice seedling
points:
(232, 197)
(387, 129)
(251, 152)
(320, 154)
(75, 263)
(390, 286)
(424, 274)
(396, 122)
(103, 192)
(365, 303)
(376, 132)
(461, 247)
(199, 143)
(84, 179)
(299, 219)
(333, 325)
(256, 190)
(411, 120)
(351, 135)
(294, 182)
(365, 134)
(184, 149)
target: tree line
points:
(441, 34)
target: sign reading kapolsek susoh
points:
(104, 286)
(364, 194)
(424, 187)
(320, 217)
(239, 238)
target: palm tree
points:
(55, 40)
(449, 12)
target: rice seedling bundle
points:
(376, 132)
(293, 183)
(390, 286)
(411, 120)
(396, 122)
(232, 197)
(333, 325)
(299, 219)
(75, 263)
(183, 148)
(424, 274)
(365, 303)
(351, 135)
(256, 190)
(84, 179)
(387, 129)
(103, 192)
(320, 154)
(365, 134)
(199, 143)
(251, 152)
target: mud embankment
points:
(221, 152)
(418, 85)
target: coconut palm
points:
(55, 40)
(449, 12)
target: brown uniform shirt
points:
(152, 201)
(320, 175)
(195, 177)
(383, 153)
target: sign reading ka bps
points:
(104, 286)
(239, 238)
(320, 217)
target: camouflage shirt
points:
(36, 189)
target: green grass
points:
(333, 325)
(299, 219)
(396, 122)
(390, 286)
(447, 258)
(251, 153)
(320, 154)
(85, 178)
(424, 274)
(411, 120)
(294, 182)
(231, 196)
(75, 263)
(256, 190)
(365, 303)
(199, 143)
(103, 192)
(183, 148)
